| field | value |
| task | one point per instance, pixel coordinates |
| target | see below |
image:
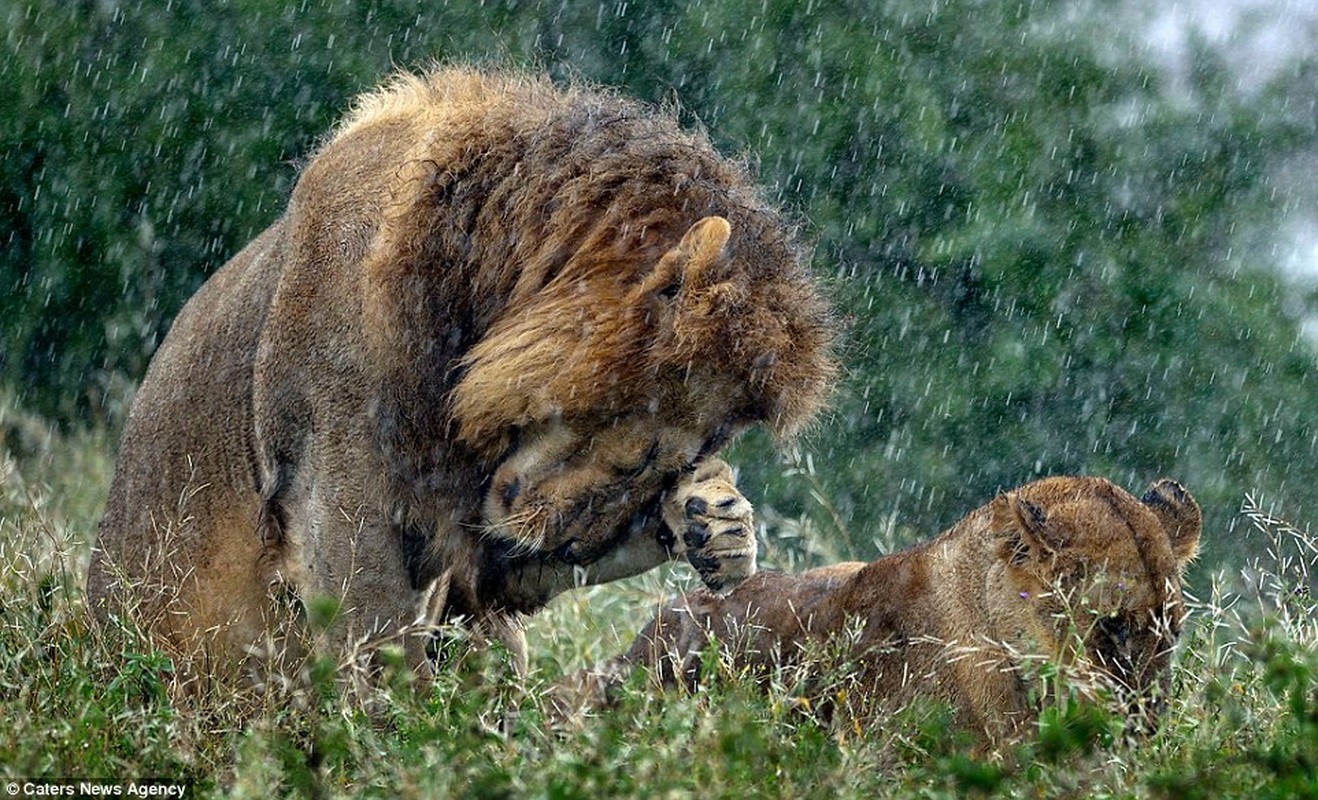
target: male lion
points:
(1073, 570)
(499, 331)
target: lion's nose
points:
(568, 553)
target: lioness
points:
(1071, 569)
(491, 350)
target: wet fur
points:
(956, 617)
(498, 325)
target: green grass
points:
(1242, 722)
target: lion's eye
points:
(669, 292)
(510, 492)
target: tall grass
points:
(1242, 721)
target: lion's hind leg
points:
(199, 593)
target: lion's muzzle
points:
(576, 496)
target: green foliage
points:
(75, 704)
(1072, 727)
(1051, 260)
(1037, 246)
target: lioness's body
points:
(500, 330)
(955, 617)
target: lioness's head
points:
(1093, 575)
(592, 397)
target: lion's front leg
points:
(713, 525)
(705, 520)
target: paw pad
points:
(713, 525)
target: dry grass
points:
(1242, 721)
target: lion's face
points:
(594, 397)
(576, 488)
(1100, 573)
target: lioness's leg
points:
(669, 647)
(713, 525)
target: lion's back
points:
(185, 455)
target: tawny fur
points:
(1072, 570)
(500, 326)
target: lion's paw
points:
(713, 526)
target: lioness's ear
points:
(1020, 527)
(1034, 524)
(1026, 533)
(1179, 514)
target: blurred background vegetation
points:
(1055, 254)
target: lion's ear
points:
(1026, 532)
(1179, 514)
(695, 261)
(706, 238)
(703, 250)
